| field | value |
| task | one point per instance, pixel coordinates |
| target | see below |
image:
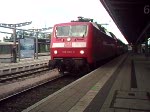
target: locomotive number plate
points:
(68, 44)
(68, 52)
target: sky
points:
(46, 13)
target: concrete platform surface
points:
(131, 89)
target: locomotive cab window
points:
(78, 31)
(71, 31)
(62, 31)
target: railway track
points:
(29, 88)
(21, 74)
(23, 99)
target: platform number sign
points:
(147, 9)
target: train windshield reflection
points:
(71, 31)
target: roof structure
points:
(132, 18)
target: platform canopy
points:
(132, 18)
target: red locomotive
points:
(79, 45)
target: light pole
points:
(13, 26)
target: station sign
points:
(27, 48)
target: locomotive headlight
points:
(55, 52)
(82, 52)
(68, 39)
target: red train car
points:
(79, 45)
(120, 46)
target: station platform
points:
(7, 58)
(23, 64)
(122, 85)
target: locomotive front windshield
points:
(71, 31)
